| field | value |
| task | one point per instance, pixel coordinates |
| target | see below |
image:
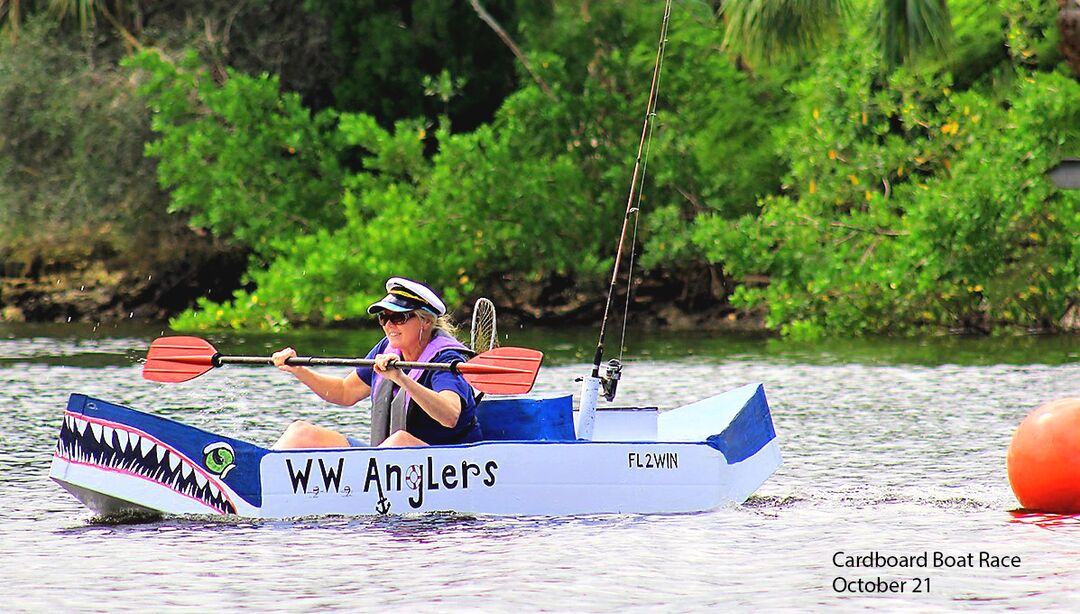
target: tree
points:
(122, 15)
(911, 203)
(386, 50)
(1069, 25)
(766, 30)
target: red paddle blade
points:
(505, 370)
(177, 359)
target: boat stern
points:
(739, 424)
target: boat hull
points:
(115, 459)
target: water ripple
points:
(878, 456)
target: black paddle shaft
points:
(322, 361)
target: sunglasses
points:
(394, 317)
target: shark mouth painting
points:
(119, 448)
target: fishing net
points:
(484, 335)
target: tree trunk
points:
(1069, 24)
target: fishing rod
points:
(590, 386)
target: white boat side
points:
(712, 453)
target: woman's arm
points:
(345, 391)
(444, 406)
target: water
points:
(889, 447)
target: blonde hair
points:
(443, 323)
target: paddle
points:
(505, 370)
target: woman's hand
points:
(281, 356)
(444, 407)
(384, 367)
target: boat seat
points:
(527, 419)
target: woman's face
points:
(402, 335)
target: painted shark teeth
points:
(113, 446)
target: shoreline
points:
(110, 291)
(69, 299)
(103, 292)
(97, 295)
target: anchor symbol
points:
(383, 506)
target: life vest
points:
(390, 409)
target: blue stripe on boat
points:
(510, 419)
(736, 422)
(751, 429)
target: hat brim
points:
(397, 303)
(385, 305)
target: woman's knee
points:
(303, 434)
(298, 426)
(401, 439)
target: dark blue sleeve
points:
(445, 380)
(366, 373)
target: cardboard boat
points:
(709, 454)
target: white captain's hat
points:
(408, 295)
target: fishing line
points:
(634, 200)
(641, 185)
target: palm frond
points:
(766, 30)
(909, 29)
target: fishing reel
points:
(610, 378)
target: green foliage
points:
(769, 30)
(857, 200)
(71, 147)
(242, 159)
(909, 29)
(1032, 35)
(406, 214)
(913, 206)
(539, 192)
(905, 31)
(713, 151)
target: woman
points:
(408, 409)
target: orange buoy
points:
(1044, 458)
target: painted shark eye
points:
(219, 458)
